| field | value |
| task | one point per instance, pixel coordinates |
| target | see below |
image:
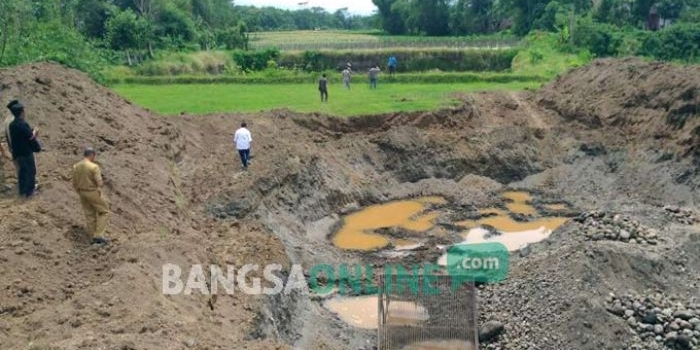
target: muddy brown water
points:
(519, 202)
(356, 234)
(363, 312)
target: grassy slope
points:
(211, 98)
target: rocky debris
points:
(599, 226)
(490, 330)
(658, 319)
(491, 231)
(681, 215)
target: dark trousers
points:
(324, 95)
(245, 156)
(373, 83)
(26, 175)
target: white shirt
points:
(242, 138)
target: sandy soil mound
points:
(56, 290)
(179, 196)
(643, 103)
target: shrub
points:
(255, 60)
(679, 42)
(410, 60)
(601, 39)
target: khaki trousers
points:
(96, 212)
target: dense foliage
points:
(663, 29)
(91, 34)
(84, 33)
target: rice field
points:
(349, 40)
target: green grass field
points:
(360, 100)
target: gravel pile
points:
(599, 226)
(681, 215)
(658, 320)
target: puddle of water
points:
(363, 312)
(557, 207)
(517, 196)
(519, 203)
(441, 345)
(506, 224)
(512, 240)
(354, 234)
(514, 234)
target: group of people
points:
(347, 73)
(21, 142)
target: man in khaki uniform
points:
(87, 181)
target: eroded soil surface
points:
(614, 144)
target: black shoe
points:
(100, 240)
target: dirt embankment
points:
(58, 291)
(644, 104)
(178, 196)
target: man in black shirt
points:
(23, 144)
(323, 88)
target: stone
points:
(650, 318)
(671, 337)
(629, 313)
(490, 330)
(616, 310)
(651, 234)
(694, 321)
(631, 321)
(684, 342)
(658, 329)
(683, 314)
(625, 235)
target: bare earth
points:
(619, 137)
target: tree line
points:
(89, 34)
(135, 28)
(467, 17)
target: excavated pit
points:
(599, 180)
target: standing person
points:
(346, 77)
(392, 65)
(23, 143)
(242, 138)
(323, 88)
(373, 72)
(88, 183)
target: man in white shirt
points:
(242, 138)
